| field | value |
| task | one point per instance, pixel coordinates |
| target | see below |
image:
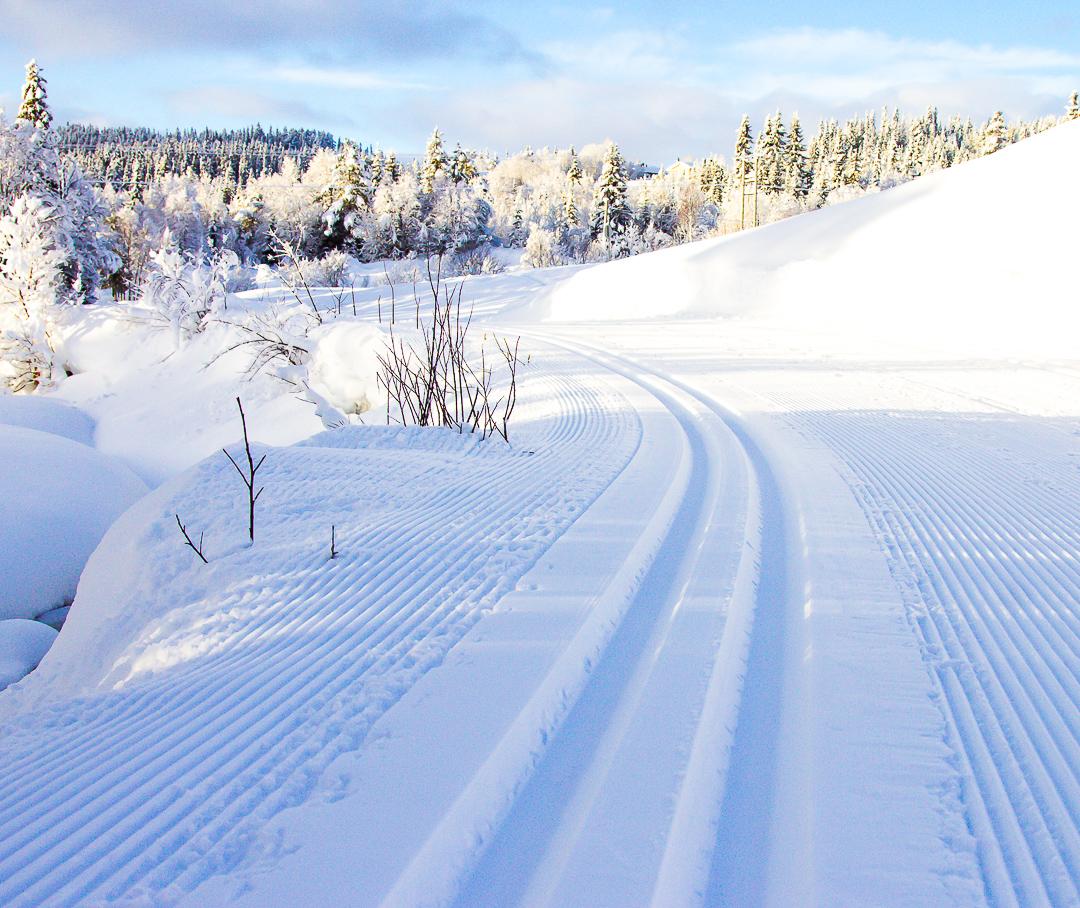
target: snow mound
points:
(23, 643)
(59, 498)
(344, 364)
(47, 415)
(969, 259)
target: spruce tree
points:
(435, 161)
(570, 218)
(573, 172)
(393, 168)
(798, 174)
(35, 108)
(611, 213)
(1073, 110)
(742, 166)
(461, 168)
(995, 134)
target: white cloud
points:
(337, 78)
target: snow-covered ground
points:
(772, 599)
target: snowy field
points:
(772, 599)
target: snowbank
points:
(59, 497)
(969, 259)
(23, 643)
(47, 415)
(344, 364)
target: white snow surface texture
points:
(771, 600)
(59, 497)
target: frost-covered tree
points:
(742, 167)
(435, 162)
(1072, 111)
(34, 108)
(461, 168)
(30, 277)
(541, 248)
(772, 151)
(797, 172)
(346, 198)
(573, 171)
(995, 135)
(611, 213)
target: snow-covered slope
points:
(59, 497)
(973, 259)
(739, 618)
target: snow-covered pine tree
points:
(435, 162)
(995, 134)
(798, 175)
(1073, 110)
(393, 168)
(742, 162)
(712, 180)
(461, 168)
(573, 171)
(347, 196)
(611, 212)
(35, 107)
(29, 280)
(771, 151)
(570, 216)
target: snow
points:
(46, 415)
(22, 644)
(344, 364)
(961, 261)
(770, 601)
(59, 497)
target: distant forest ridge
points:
(129, 156)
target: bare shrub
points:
(436, 383)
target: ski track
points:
(558, 815)
(976, 513)
(154, 786)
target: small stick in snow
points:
(333, 543)
(197, 549)
(249, 477)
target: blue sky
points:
(663, 80)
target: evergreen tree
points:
(347, 196)
(435, 162)
(573, 172)
(742, 167)
(35, 108)
(611, 213)
(393, 168)
(461, 169)
(799, 178)
(995, 134)
(1073, 110)
(570, 217)
(771, 152)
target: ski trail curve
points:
(559, 827)
(164, 779)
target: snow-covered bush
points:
(541, 249)
(30, 277)
(474, 261)
(329, 271)
(186, 292)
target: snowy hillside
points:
(756, 607)
(954, 261)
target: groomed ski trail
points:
(146, 790)
(647, 730)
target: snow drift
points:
(59, 497)
(970, 259)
